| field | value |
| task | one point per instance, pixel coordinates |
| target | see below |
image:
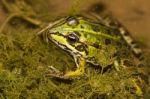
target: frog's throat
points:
(94, 33)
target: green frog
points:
(88, 42)
(96, 43)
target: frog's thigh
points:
(79, 71)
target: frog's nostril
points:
(72, 21)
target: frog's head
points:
(74, 34)
(68, 34)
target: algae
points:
(24, 58)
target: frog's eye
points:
(72, 37)
(72, 21)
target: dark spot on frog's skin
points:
(85, 35)
(77, 33)
(119, 44)
(96, 45)
(114, 32)
(82, 27)
(72, 21)
(107, 41)
(81, 48)
(95, 28)
(109, 31)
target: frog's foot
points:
(53, 72)
(73, 74)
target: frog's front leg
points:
(80, 64)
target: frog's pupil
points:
(72, 37)
(96, 28)
(72, 21)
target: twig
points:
(6, 21)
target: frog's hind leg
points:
(53, 72)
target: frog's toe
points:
(54, 72)
(53, 69)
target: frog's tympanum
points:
(88, 42)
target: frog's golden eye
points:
(72, 21)
(72, 37)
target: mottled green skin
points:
(93, 38)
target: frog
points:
(96, 43)
(90, 42)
